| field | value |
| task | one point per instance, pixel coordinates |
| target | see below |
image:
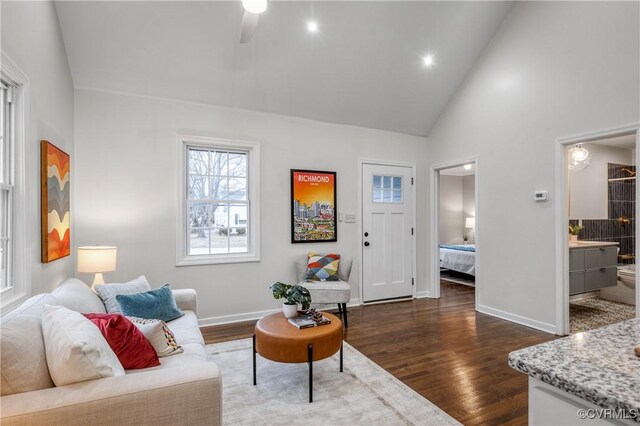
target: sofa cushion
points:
(22, 351)
(76, 350)
(108, 292)
(77, 296)
(193, 353)
(128, 343)
(328, 292)
(152, 304)
(186, 329)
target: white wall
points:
(31, 38)
(552, 70)
(589, 187)
(450, 222)
(126, 182)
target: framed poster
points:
(313, 206)
(55, 202)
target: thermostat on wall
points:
(541, 196)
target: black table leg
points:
(254, 360)
(341, 346)
(310, 358)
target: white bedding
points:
(458, 260)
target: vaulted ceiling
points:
(363, 67)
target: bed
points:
(459, 258)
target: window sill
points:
(217, 260)
(12, 303)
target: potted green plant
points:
(293, 295)
(574, 231)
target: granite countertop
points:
(591, 244)
(598, 365)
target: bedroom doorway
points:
(454, 208)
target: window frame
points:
(19, 255)
(252, 149)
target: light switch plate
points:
(350, 218)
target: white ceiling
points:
(362, 68)
(459, 171)
(624, 141)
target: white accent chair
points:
(328, 292)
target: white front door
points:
(387, 233)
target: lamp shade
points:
(470, 222)
(95, 259)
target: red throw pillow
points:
(126, 340)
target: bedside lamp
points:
(470, 223)
(96, 260)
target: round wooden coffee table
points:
(276, 339)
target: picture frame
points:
(313, 206)
(55, 176)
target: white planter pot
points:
(289, 311)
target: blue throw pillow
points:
(154, 304)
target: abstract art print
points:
(313, 206)
(56, 202)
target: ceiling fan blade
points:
(249, 26)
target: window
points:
(6, 184)
(387, 189)
(14, 212)
(219, 200)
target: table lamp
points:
(470, 222)
(96, 260)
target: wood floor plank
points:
(441, 348)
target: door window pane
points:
(387, 189)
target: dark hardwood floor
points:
(441, 348)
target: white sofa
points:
(184, 389)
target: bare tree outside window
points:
(217, 201)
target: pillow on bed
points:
(322, 267)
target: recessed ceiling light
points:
(255, 6)
(312, 26)
(428, 61)
(468, 166)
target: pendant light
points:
(579, 158)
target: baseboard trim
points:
(423, 294)
(249, 316)
(538, 325)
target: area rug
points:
(594, 312)
(364, 394)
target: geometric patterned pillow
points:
(322, 267)
(159, 335)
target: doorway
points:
(454, 263)
(596, 283)
(455, 258)
(387, 231)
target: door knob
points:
(366, 244)
(366, 234)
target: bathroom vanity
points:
(592, 265)
(589, 378)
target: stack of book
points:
(305, 321)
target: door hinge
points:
(411, 231)
(413, 281)
(411, 181)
